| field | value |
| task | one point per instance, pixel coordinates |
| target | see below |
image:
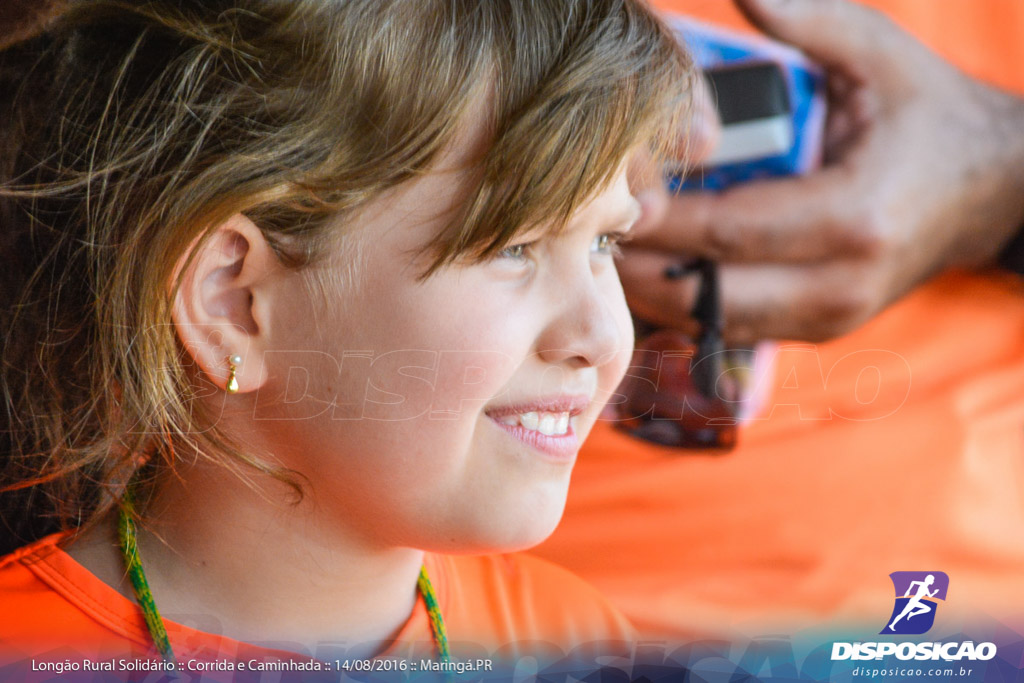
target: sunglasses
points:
(683, 392)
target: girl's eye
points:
(514, 252)
(608, 243)
(605, 243)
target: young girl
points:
(310, 306)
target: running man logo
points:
(917, 596)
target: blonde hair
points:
(131, 129)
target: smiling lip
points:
(559, 447)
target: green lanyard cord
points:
(437, 627)
(128, 535)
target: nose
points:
(592, 326)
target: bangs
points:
(576, 86)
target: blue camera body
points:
(771, 100)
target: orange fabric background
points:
(495, 605)
(859, 472)
(983, 37)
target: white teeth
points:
(547, 425)
(562, 426)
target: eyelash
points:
(613, 240)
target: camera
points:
(695, 393)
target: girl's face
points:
(445, 414)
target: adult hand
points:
(924, 169)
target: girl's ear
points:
(221, 310)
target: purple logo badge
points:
(917, 596)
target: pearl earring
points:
(233, 363)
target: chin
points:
(528, 535)
(513, 528)
(530, 520)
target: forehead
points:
(612, 204)
(418, 212)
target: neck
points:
(269, 570)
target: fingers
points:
(835, 32)
(653, 297)
(790, 220)
(808, 302)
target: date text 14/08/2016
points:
(406, 665)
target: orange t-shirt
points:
(498, 607)
(897, 447)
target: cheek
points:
(439, 378)
(468, 378)
(420, 397)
